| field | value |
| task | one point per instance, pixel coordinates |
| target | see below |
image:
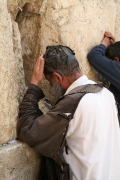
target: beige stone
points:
(18, 162)
(29, 26)
(11, 74)
(78, 24)
(117, 22)
(26, 28)
(35, 6)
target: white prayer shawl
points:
(93, 137)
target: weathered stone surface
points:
(117, 22)
(11, 74)
(74, 23)
(35, 6)
(15, 6)
(29, 26)
(78, 24)
(28, 20)
(18, 162)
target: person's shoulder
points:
(93, 99)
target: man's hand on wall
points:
(108, 39)
(38, 71)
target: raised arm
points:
(38, 130)
(108, 68)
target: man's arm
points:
(108, 68)
(40, 131)
(28, 112)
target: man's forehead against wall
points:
(113, 51)
(105, 58)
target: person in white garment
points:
(93, 135)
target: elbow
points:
(89, 57)
(25, 138)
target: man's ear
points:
(58, 78)
(116, 59)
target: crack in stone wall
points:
(29, 26)
(78, 24)
(26, 28)
(19, 162)
(11, 75)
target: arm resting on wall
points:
(108, 68)
(43, 132)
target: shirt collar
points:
(80, 81)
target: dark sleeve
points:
(29, 106)
(106, 67)
(40, 131)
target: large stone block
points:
(30, 42)
(11, 74)
(74, 23)
(16, 6)
(18, 162)
(78, 24)
(117, 22)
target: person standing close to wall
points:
(79, 136)
(105, 58)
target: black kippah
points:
(58, 55)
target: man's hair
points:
(60, 59)
(113, 50)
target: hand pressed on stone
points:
(110, 36)
(108, 39)
(38, 71)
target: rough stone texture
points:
(11, 74)
(78, 24)
(29, 26)
(26, 28)
(13, 7)
(117, 22)
(71, 23)
(18, 162)
(35, 6)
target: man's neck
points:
(69, 80)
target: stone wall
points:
(18, 162)
(11, 74)
(26, 28)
